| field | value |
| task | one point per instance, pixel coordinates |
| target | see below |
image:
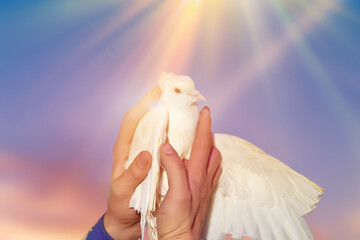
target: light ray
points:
(323, 80)
(271, 52)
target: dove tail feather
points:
(144, 199)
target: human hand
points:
(120, 221)
(182, 213)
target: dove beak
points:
(196, 95)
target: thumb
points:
(136, 173)
(176, 171)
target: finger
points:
(126, 184)
(176, 172)
(129, 124)
(202, 144)
(217, 175)
(214, 161)
(134, 114)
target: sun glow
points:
(195, 3)
(174, 32)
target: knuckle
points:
(180, 165)
(132, 173)
(129, 114)
(216, 154)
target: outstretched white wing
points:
(258, 196)
(149, 135)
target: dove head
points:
(179, 89)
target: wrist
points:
(110, 226)
(118, 231)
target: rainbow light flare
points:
(282, 74)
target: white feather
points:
(149, 135)
(257, 195)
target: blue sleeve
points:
(98, 232)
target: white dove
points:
(257, 195)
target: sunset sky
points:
(282, 74)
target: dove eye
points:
(177, 90)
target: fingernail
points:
(207, 108)
(168, 149)
(143, 160)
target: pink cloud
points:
(39, 201)
(352, 222)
